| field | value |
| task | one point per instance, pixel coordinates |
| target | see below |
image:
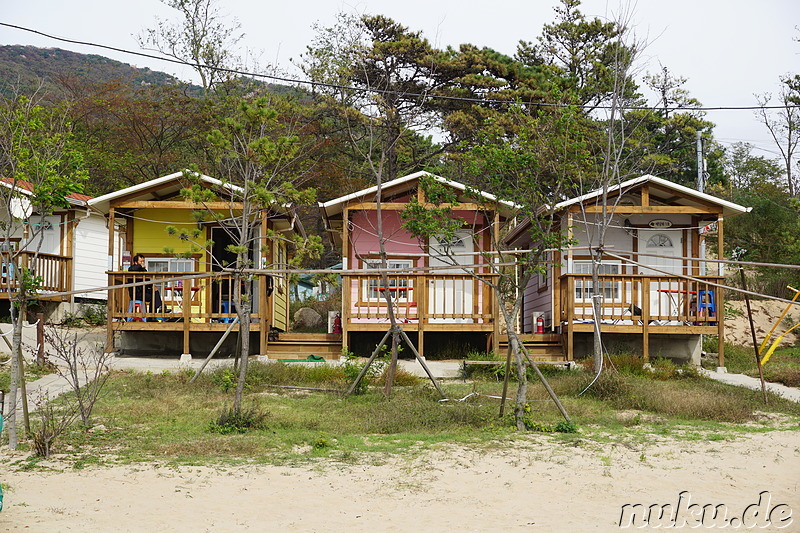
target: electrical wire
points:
(370, 90)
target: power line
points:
(388, 92)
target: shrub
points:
(224, 378)
(230, 421)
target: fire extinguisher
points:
(337, 323)
(539, 324)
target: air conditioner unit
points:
(545, 319)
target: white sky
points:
(727, 49)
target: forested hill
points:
(28, 66)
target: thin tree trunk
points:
(243, 310)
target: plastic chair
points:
(136, 306)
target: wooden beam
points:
(371, 206)
(651, 209)
(645, 319)
(178, 204)
(645, 196)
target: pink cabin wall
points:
(364, 238)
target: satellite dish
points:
(21, 208)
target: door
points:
(665, 296)
(450, 292)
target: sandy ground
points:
(534, 485)
(765, 314)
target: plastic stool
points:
(226, 308)
(136, 306)
(705, 300)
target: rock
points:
(305, 318)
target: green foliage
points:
(87, 314)
(225, 379)
(231, 421)
(352, 367)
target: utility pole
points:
(701, 186)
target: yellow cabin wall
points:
(150, 234)
(280, 297)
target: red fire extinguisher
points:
(337, 323)
(539, 324)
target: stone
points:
(306, 318)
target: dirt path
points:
(537, 485)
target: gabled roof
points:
(692, 195)
(687, 195)
(334, 207)
(154, 189)
(26, 187)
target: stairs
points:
(544, 347)
(301, 345)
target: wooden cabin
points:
(49, 246)
(658, 296)
(195, 290)
(431, 298)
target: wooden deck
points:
(642, 305)
(54, 270)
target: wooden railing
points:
(640, 299)
(198, 300)
(429, 298)
(55, 271)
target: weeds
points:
(231, 421)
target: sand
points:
(536, 484)
(765, 314)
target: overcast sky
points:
(727, 49)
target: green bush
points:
(230, 421)
(224, 378)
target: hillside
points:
(26, 65)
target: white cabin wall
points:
(91, 256)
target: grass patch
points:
(157, 416)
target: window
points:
(400, 287)
(584, 289)
(169, 264)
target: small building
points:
(658, 295)
(432, 299)
(192, 282)
(49, 245)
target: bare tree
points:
(203, 38)
(85, 368)
(783, 125)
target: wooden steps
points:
(544, 347)
(301, 345)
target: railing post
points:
(347, 283)
(569, 302)
(646, 318)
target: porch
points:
(55, 272)
(422, 302)
(640, 305)
(190, 302)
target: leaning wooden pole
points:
(753, 333)
(368, 363)
(422, 362)
(505, 381)
(214, 350)
(544, 381)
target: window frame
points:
(402, 289)
(612, 290)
